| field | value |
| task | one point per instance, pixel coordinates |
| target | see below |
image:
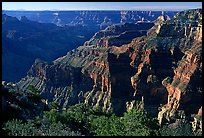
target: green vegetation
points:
(179, 128)
(138, 124)
(176, 82)
(153, 36)
(37, 127)
(83, 119)
(151, 42)
(18, 128)
(34, 92)
(107, 126)
(54, 105)
(167, 80)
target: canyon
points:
(27, 35)
(92, 19)
(156, 67)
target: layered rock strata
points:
(159, 72)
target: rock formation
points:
(159, 72)
(92, 19)
(117, 35)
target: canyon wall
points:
(159, 72)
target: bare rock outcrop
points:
(159, 72)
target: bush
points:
(86, 121)
(52, 115)
(107, 126)
(177, 129)
(166, 81)
(40, 128)
(18, 128)
(54, 105)
(55, 129)
(134, 123)
(33, 90)
(138, 124)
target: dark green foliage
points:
(34, 92)
(18, 128)
(167, 80)
(82, 120)
(179, 128)
(138, 124)
(52, 115)
(134, 123)
(45, 128)
(56, 129)
(151, 42)
(54, 105)
(20, 104)
(38, 127)
(107, 126)
(198, 133)
(33, 89)
(76, 116)
(153, 36)
(96, 122)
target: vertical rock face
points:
(157, 24)
(186, 87)
(197, 122)
(159, 72)
(121, 88)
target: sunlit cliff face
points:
(161, 71)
